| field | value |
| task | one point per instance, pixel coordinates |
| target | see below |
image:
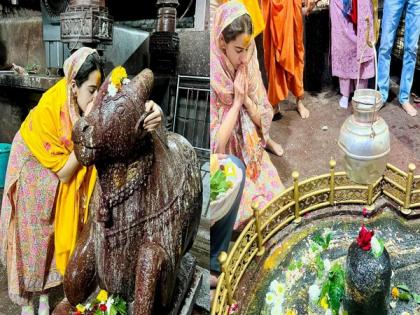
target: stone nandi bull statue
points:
(148, 202)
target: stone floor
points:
(308, 148)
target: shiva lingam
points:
(86, 23)
(164, 42)
(368, 276)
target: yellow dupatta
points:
(254, 11)
(47, 133)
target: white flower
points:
(108, 304)
(112, 90)
(376, 246)
(88, 306)
(405, 313)
(277, 288)
(328, 312)
(277, 309)
(270, 298)
(314, 292)
(125, 81)
(393, 304)
(327, 265)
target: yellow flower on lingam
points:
(81, 308)
(324, 302)
(117, 76)
(102, 296)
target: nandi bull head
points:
(114, 127)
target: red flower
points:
(363, 240)
(233, 308)
(77, 313)
(364, 212)
(102, 307)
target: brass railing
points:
(311, 194)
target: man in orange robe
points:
(284, 51)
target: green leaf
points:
(292, 266)
(404, 296)
(377, 247)
(314, 247)
(328, 240)
(403, 287)
(218, 184)
(336, 287)
(319, 266)
(335, 295)
(319, 240)
(416, 298)
(299, 264)
(113, 310)
(324, 290)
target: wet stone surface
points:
(291, 247)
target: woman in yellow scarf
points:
(47, 192)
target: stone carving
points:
(146, 205)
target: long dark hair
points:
(92, 63)
(242, 24)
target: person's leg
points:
(221, 231)
(345, 86)
(274, 147)
(363, 83)
(44, 306)
(390, 20)
(411, 38)
(26, 304)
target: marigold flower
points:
(102, 296)
(80, 308)
(395, 293)
(117, 76)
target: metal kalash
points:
(164, 42)
(86, 23)
(364, 136)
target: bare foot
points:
(303, 111)
(213, 281)
(274, 147)
(409, 109)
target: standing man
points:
(284, 50)
(391, 17)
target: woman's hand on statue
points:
(154, 119)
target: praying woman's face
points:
(237, 50)
(86, 92)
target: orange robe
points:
(283, 48)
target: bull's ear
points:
(141, 86)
